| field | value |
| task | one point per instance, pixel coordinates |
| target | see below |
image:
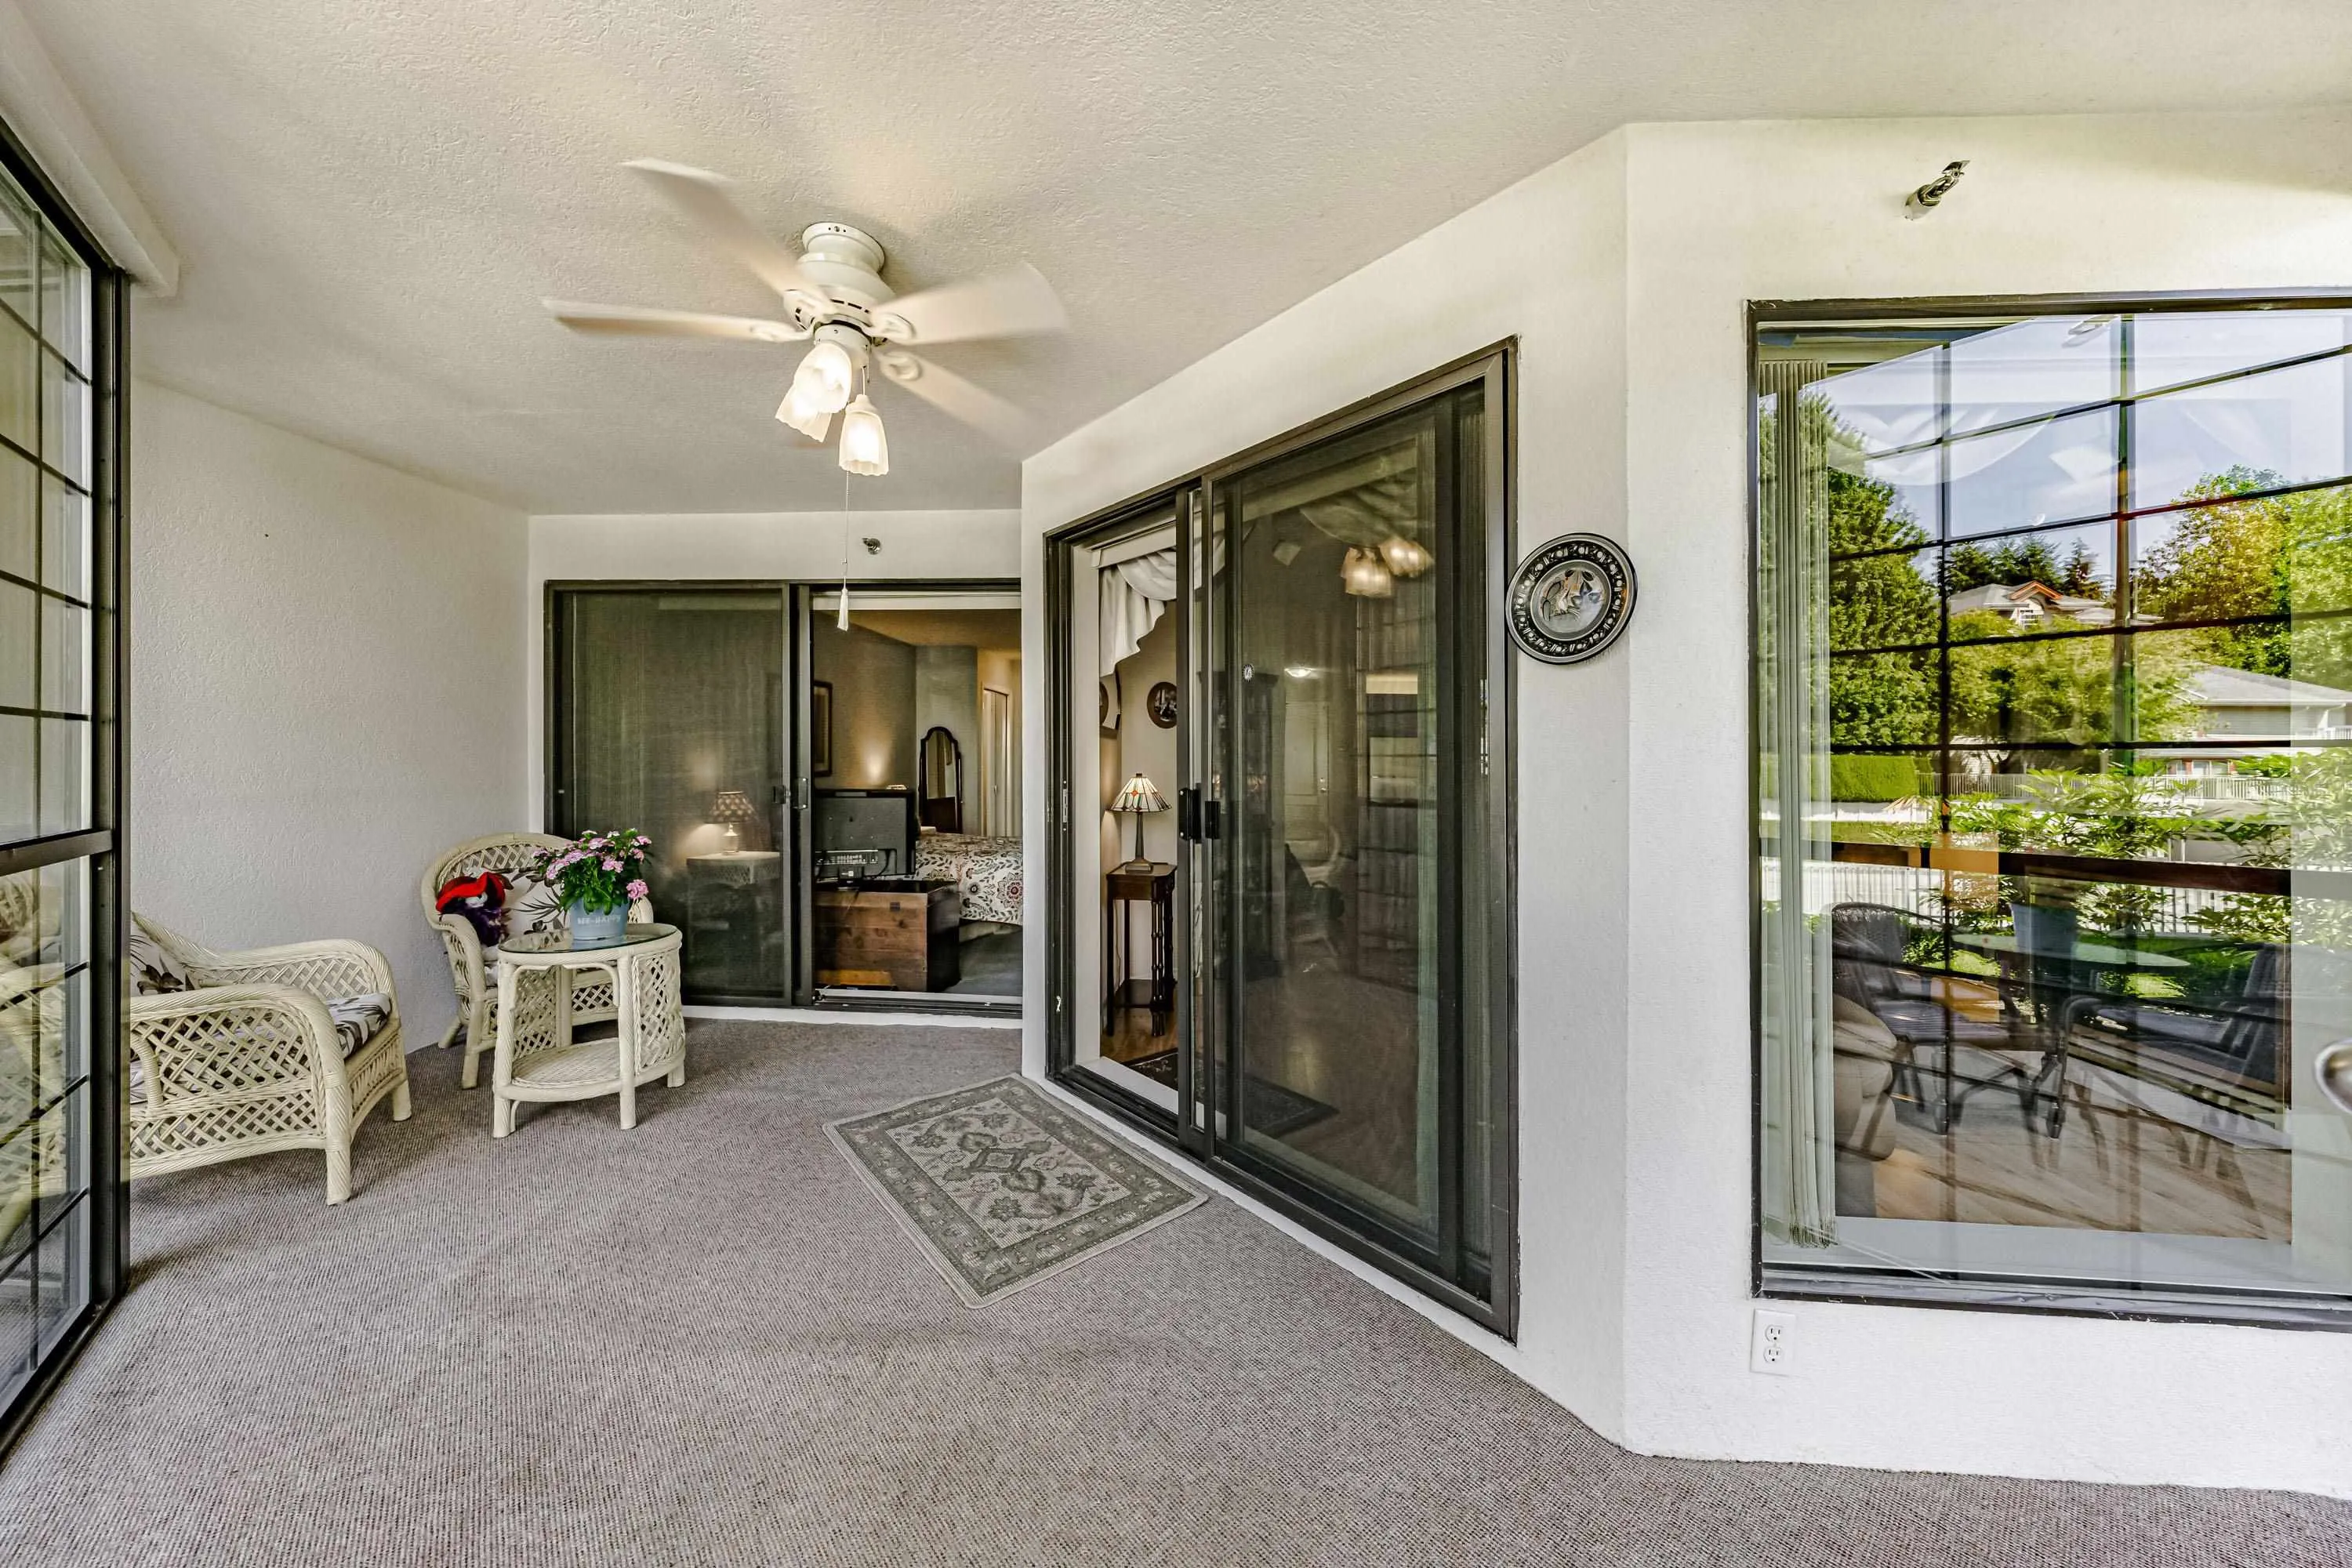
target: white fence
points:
(1917, 890)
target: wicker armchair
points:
(469, 972)
(249, 1062)
(32, 1074)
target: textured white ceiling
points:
(370, 197)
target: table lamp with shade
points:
(1139, 799)
(730, 810)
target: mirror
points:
(942, 793)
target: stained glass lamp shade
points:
(1138, 798)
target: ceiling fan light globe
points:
(1366, 576)
(811, 422)
(822, 382)
(865, 448)
(1405, 557)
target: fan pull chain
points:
(841, 622)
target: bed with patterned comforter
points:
(987, 871)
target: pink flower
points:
(611, 864)
(637, 889)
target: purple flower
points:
(637, 889)
(611, 864)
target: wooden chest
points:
(904, 941)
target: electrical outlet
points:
(1773, 1347)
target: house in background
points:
(2254, 715)
(2028, 604)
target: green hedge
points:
(1866, 776)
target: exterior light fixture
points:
(864, 447)
(1405, 557)
(1365, 575)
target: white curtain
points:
(1135, 594)
(1800, 1153)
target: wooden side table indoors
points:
(1154, 883)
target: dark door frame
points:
(1480, 661)
(103, 841)
(792, 819)
(807, 993)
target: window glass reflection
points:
(2055, 813)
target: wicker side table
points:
(536, 1057)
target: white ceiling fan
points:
(833, 294)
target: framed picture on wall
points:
(820, 728)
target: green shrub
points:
(1872, 777)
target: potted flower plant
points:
(597, 876)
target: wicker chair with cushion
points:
(33, 1000)
(470, 968)
(31, 1075)
(278, 1047)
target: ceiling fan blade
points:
(702, 196)
(1001, 305)
(645, 320)
(977, 407)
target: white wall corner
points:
(41, 108)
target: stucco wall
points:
(1623, 272)
(326, 687)
(1718, 215)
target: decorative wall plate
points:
(1161, 704)
(1571, 597)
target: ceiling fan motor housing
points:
(846, 261)
(850, 336)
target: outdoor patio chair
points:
(1869, 944)
(265, 1051)
(2227, 1055)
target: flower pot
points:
(595, 927)
(2045, 930)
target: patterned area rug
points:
(1001, 1188)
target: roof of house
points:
(2219, 686)
(2007, 597)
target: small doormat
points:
(1001, 1188)
(1270, 1109)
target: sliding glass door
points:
(1341, 1037)
(61, 1192)
(669, 706)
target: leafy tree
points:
(2080, 575)
(2223, 561)
(2020, 560)
(1877, 601)
(2060, 692)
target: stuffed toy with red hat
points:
(482, 901)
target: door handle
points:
(2333, 1070)
(1187, 815)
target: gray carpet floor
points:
(704, 1343)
